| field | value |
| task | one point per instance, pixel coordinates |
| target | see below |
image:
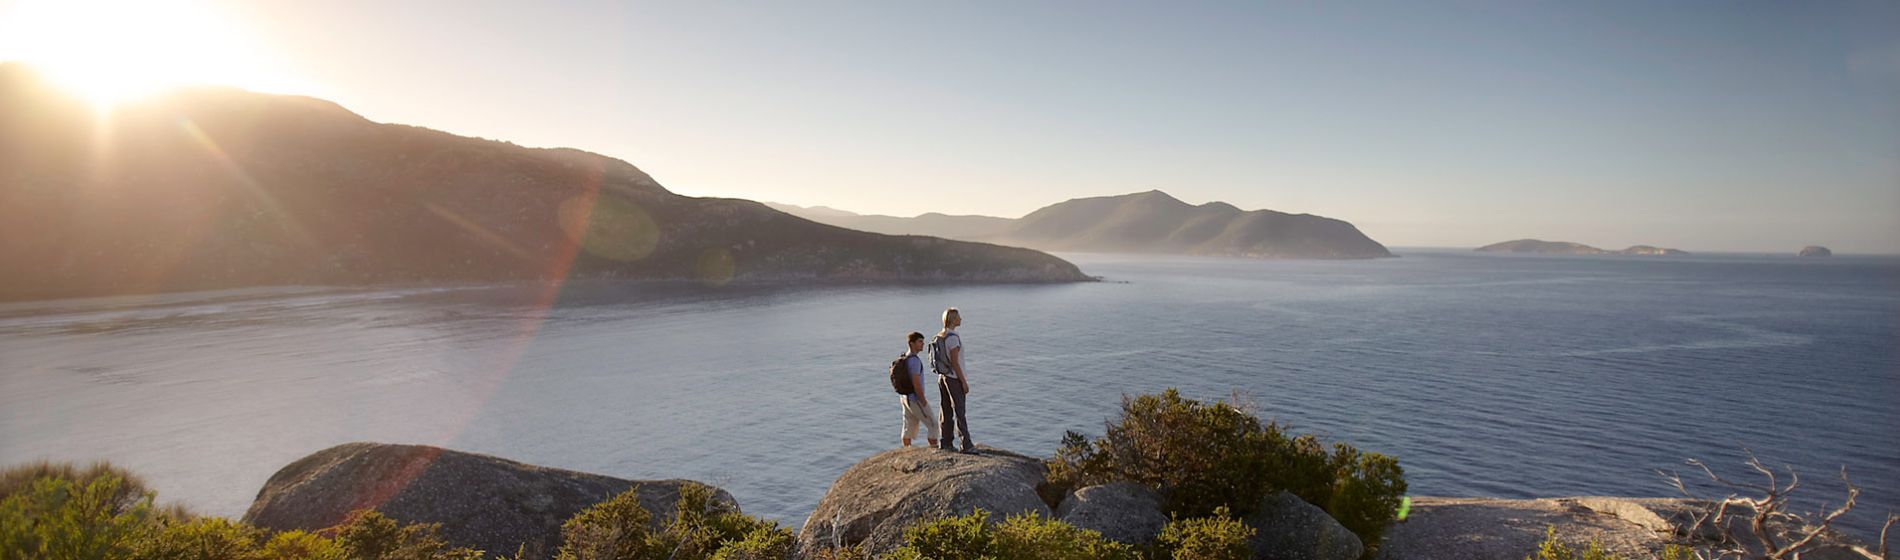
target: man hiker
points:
(953, 383)
(916, 407)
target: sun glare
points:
(115, 50)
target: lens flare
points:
(609, 227)
(716, 266)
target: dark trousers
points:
(951, 393)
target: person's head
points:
(951, 318)
(916, 341)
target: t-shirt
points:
(951, 341)
(916, 364)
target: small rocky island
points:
(1538, 246)
(1814, 251)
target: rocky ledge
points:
(1487, 528)
(494, 504)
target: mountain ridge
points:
(208, 188)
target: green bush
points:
(614, 529)
(58, 511)
(1200, 456)
(1204, 456)
(702, 527)
(369, 534)
(764, 543)
(58, 516)
(1019, 537)
(1555, 549)
(299, 545)
(204, 538)
(1366, 493)
(1220, 537)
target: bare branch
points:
(1826, 520)
(1891, 518)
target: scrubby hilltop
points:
(218, 187)
(1149, 222)
(1154, 222)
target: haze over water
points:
(1485, 375)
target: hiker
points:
(953, 383)
(916, 407)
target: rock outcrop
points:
(211, 188)
(1288, 528)
(482, 502)
(875, 500)
(1121, 511)
(1815, 251)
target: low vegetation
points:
(702, 528)
(1554, 548)
(60, 512)
(1203, 457)
(1219, 537)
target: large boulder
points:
(1122, 511)
(482, 502)
(875, 500)
(1288, 528)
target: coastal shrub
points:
(1366, 492)
(130, 490)
(1556, 549)
(613, 529)
(1201, 456)
(764, 543)
(370, 534)
(1217, 537)
(702, 527)
(57, 516)
(1204, 456)
(1019, 537)
(299, 545)
(204, 538)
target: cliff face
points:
(214, 188)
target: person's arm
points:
(956, 362)
(917, 384)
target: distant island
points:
(1815, 251)
(1150, 222)
(1539, 246)
(212, 188)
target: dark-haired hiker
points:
(916, 407)
(953, 383)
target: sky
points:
(1707, 126)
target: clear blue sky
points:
(1716, 126)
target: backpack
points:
(900, 375)
(940, 357)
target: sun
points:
(111, 51)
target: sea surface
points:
(1486, 375)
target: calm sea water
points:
(1485, 375)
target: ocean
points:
(1485, 375)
